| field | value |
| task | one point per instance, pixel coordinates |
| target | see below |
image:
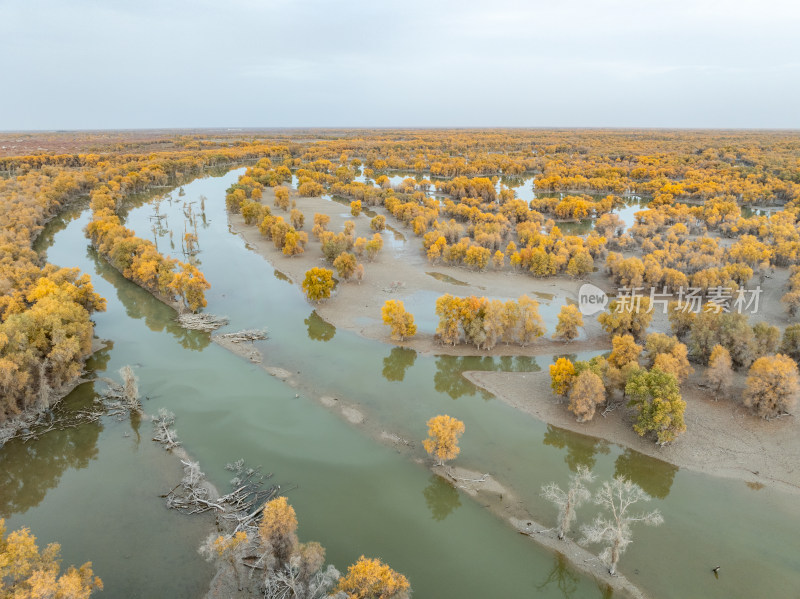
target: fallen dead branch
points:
(243, 336)
(201, 322)
(482, 479)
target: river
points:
(95, 489)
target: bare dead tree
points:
(291, 582)
(164, 432)
(570, 500)
(130, 389)
(614, 529)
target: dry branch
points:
(201, 322)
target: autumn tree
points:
(569, 319)
(570, 500)
(790, 344)
(442, 441)
(624, 350)
(613, 528)
(282, 197)
(27, 572)
(229, 550)
(448, 309)
(402, 323)
(531, 323)
(378, 223)
(345, 265)
(669, 355)
(719, 374)
(586, 392)
(372, 579)
(772, 386)
(626, 318)
(766, 339)
(656, 398)
(562, 375)
(278, 529)
(355, 207)
(318, 284)
(297, 218)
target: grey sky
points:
(272, 63)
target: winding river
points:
(96, 488)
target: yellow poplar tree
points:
(372, 579)
(402, 322)
(442, 441)
(318, 284)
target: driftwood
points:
(482, 479)
(124, 398)
(32, 426)
(201, 322)
(164, 431)
(239, 509)
(246, 335)
(116, 400)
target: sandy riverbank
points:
(722, 438)
(401, 271)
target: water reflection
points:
(399, 360)
(281, 276)
(29, 470)
(319, 329)
(565, 579)
(449, 379)
(651, 474)
(441, 498)
(139, 304)
(581, 449)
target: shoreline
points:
(490, 493)
(721, 439)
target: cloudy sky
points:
(273, 63)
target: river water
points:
(95, 489)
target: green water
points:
(354, 495)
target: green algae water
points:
(96, 489)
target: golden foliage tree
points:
(26, 572)
(655, 396)
(442, 441)
(719, 374)
(345, 265)
(586, 392)
(402, 323)
(562, 375)
(372, 579)
(772, 386)
(278, 528)
(569, 319)
(318, 284)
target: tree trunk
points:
(614, 558)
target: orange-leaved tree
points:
(318, 284)
(27, 572)
(372, 579)
(442, 441)
(394, 314)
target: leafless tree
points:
(571, 499)
(614, 528)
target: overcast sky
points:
(272, 63)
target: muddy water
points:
(355, 495)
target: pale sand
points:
(722, 438)
(352, 303)
(502, 502)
